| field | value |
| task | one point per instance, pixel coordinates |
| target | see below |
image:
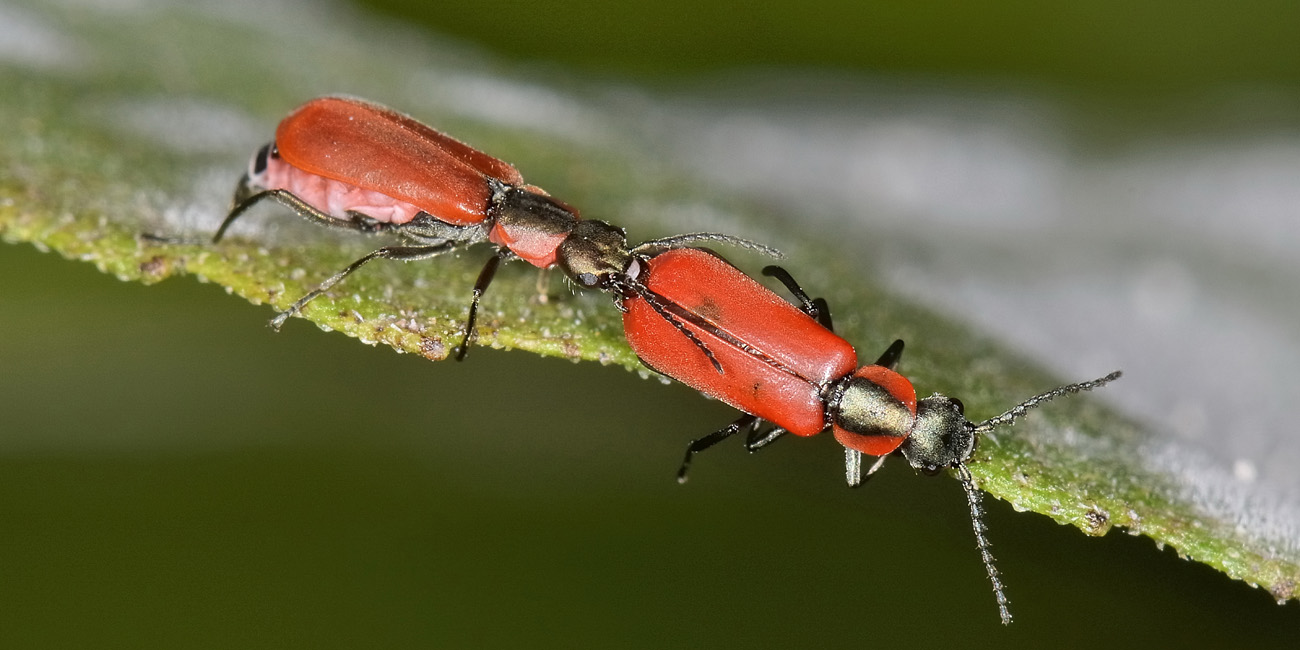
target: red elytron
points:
(746, 346)
(775, 359)
(348, 163)
(357, 148)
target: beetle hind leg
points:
(814, 307)
(480, 287)
(365, 223)
(700, 444)
(399, 253)
(246, 197)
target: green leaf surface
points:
(97, 149)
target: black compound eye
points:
(259, 162)
(961, 408)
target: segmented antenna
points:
(977, 522)
(678, 241)
(1020, 409)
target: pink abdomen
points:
(335, 198)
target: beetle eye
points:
(961, 408)
(259, 161)
(588, 279)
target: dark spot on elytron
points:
(708, 309)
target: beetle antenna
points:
(977, 522)
(1020, 409)
(679, 241)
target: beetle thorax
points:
(867, 408)
(873, 410)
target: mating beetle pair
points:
(687, 313)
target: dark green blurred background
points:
(512, 501)
(1140, 50)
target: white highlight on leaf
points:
(28, 41)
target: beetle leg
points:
(890, 357)
(399, 253)
(760, 439)
(853, 467)
(484, 279)
(544, 285)
(243, 189)
(805, 303)
(245, 200)
(816, 308)
(366, 223)
(700, 444)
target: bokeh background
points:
(1101, 186)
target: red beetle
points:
(746, 346)
(348, 163)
